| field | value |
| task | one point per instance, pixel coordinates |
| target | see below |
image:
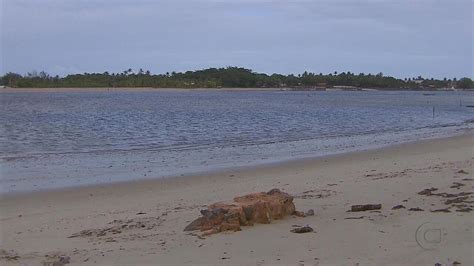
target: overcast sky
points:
(403, 38)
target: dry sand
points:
(36, 227)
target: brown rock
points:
(365, 207)
(262, 208)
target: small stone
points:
(310, 212)
(416, 209)
(64, 259)
(299, 214)
(302, 230)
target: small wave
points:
(221, 144)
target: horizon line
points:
(36, 73)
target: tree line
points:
(230, 77)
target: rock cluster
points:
(255, 208)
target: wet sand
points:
(36, 227)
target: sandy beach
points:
(36, 227)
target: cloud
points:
(402, 38)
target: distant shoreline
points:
(132, 89)
(83, 89)
(232, 77)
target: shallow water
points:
(61, 139)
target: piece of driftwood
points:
(365, 207)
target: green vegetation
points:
(230, 77)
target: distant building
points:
(322, 85)
(344, 87)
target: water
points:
(61, 139)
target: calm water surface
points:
(61, 139)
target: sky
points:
(402, 38)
